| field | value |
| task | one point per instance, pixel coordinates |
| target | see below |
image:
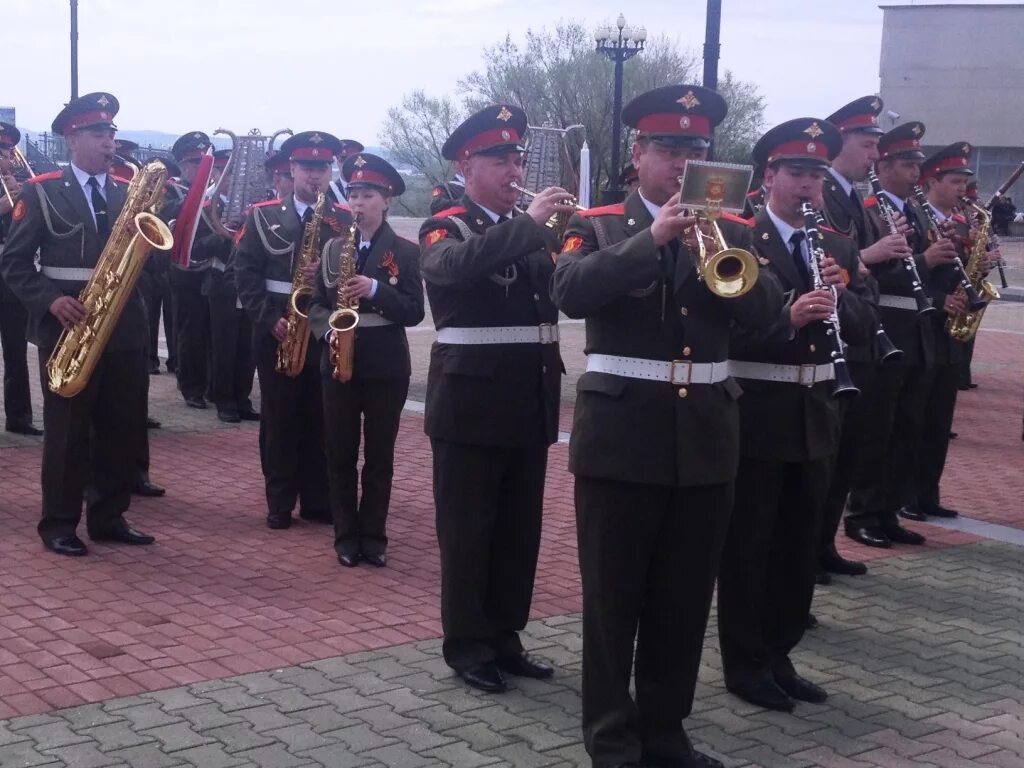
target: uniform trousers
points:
(965, 364)
(157, 295)
(291, 434)
(373, 407)
(191, 332)
(489, 503)
(648, 558)
(111, 410)
(943, 382)
(766, 580)
(231, 346)
(900, 413)
(17, 394)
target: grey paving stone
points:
(238, 737)
(462, 756)
(82, 756)
(178, 736)
(146, 756)
(208, 756)
(23, 753)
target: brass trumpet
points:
(558, 220)
(728, 272)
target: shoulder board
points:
(736, 219)
(823, 228)
(870, 201)
(617, 209)
(342, 207)
(754, 193)
(455, 210)
(122, 179)
(265, 203)
(46, 177)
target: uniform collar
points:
(494, 216)
(83, 177)
(300, 206)
(842, 181)
(651, 207)
(785, 230)
(938, 214)
(899, 202)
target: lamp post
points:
(628, 42)
(74, 49)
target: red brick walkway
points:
(221, 595)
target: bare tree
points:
(414, 133)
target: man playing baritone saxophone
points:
(492, 395)
(383, 285)
(655, 439)
(91, 439)
(789, 421)
(266, 258)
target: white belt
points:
(278, 286)
(546, 333)
(678, 372)
(805, 375)
(219, 265)
(80, 274)
(372, 320)
(897, 302)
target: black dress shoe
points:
(66, 545)
(24, 429)
(349, 561)
(317, 516)
(900, 535)
(378, 559)
(954, 435)
(937, 510)
(525, 665)
(154, 369)
(152, 423)
(249, 415)
(869, 535)
(800, 689)
(228, 417)
(763, 693)
(835, 563)
(822, 578)
(485, 677)
(693, 760)
(912, 512)
(278, 521)
(147, 488)
(195, 401)
(812, 621)
(121, 534)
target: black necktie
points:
(798, 256)
(855, 196)
(364, 252)
(502, 219)
(99, 208)
(307, 216)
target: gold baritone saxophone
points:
(134, 235)
(964, 326)
(345, 317)
(291, 351)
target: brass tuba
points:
(291, 352)
(345, 318)
(964, 326)
(135, 233)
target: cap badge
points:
(316, 138)
(965, 148)
(916, 130)
(874, 119)
(197, 135)
(504, 115)
(689, 101)
(359, 174)
(103, 101)
(684, 122)
(811, 146)
(813, 131)
(104, 116)
(875, 103)
(359, 162)
(505, 135)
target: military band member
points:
(158, 301)
(337, 190)
(67, 217)
(191, 310)
(13, 316)
(629, 179)
(446, 195)
(944, 175)
(291, 410)
(789, 424)
(388, 294)
(898, 418)
(279, 168)
(492, 395)
(966, 382)
(655, 439)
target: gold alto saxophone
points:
(964, 326)
(134, 235)
(291, 352)
(345, 317)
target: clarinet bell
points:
(887, 351)
(924, 304)
(843, 387)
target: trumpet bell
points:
(730, 273)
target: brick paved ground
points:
(130, 656)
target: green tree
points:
(743, 125)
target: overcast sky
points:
(179, 65)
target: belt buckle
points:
(680, 365)
(547, 333)
(808, 373)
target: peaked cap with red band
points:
(681, 115)
(494, 129)
(124, 148)
(278, 163)
(221, 157)
(902, 143)
(952, 159)
(859, 116)
(311, 147)
(370, 170)
(804, 141)
(90, 111)
(349, 147)
(191, 146)
(9, 136)
(628, 174)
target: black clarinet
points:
(924, 304)
(842, 386)
(974, 301)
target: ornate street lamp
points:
(619, 45)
